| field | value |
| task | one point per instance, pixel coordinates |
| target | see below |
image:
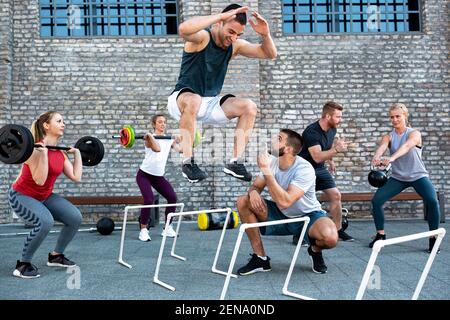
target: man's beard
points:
(333, 125)
(279, 152)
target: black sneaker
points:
(295, 239)
(26, 270)
(318, 265)
(192, 172)
(59, 260)
(344, 236)
(255, 264)
(377, 237)
(237, 170)
(431, 242)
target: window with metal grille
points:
(350, 16)
(102, 18)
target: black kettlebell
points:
(105, 226)
(344, 219)
(378, 177)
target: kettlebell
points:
(377, 176)
(105, 226)
(344, 219)
(216, 220)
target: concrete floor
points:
(102, 277)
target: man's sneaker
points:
(144, 236)
(431, 242)
(192, 172)
(237, 170)
(318, 265)
(26, 270)
(344, 236)
(295, 239)
(377, 237)
(255, 264)
(59, 260)
(169, 232)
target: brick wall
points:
(101, 84)
(6, 60)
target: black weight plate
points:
(100, 151)
(30, 147)
(91, 149)
(16, 144)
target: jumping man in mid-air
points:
(211, 42)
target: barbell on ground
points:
(216, 220)
(17, 145)
(127, 137)
(104, 226)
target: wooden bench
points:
(108, 200)
(403, 196)
(345, 197)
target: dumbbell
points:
(127, 137)
(17, 145)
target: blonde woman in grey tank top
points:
(408, 170)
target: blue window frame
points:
(102, 18)
(350, 16)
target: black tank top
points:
(204, 72)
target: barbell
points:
(216, 220)
(127, 137)
(17, 145)
(104, 226)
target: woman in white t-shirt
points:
(151, 174)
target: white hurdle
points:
(172, 253)
(246, 226)
(125, 216)
(383, 243)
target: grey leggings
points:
(43, 214)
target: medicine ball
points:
(105, 226)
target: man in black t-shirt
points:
(319, 147)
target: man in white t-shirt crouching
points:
(290, 181)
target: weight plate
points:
(124, 137)
(203, 221)
(235, 218)
(16, 144)
(91, 149)
(132, 136)
(128, 134)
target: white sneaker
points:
(169, 232)
(144, 236)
